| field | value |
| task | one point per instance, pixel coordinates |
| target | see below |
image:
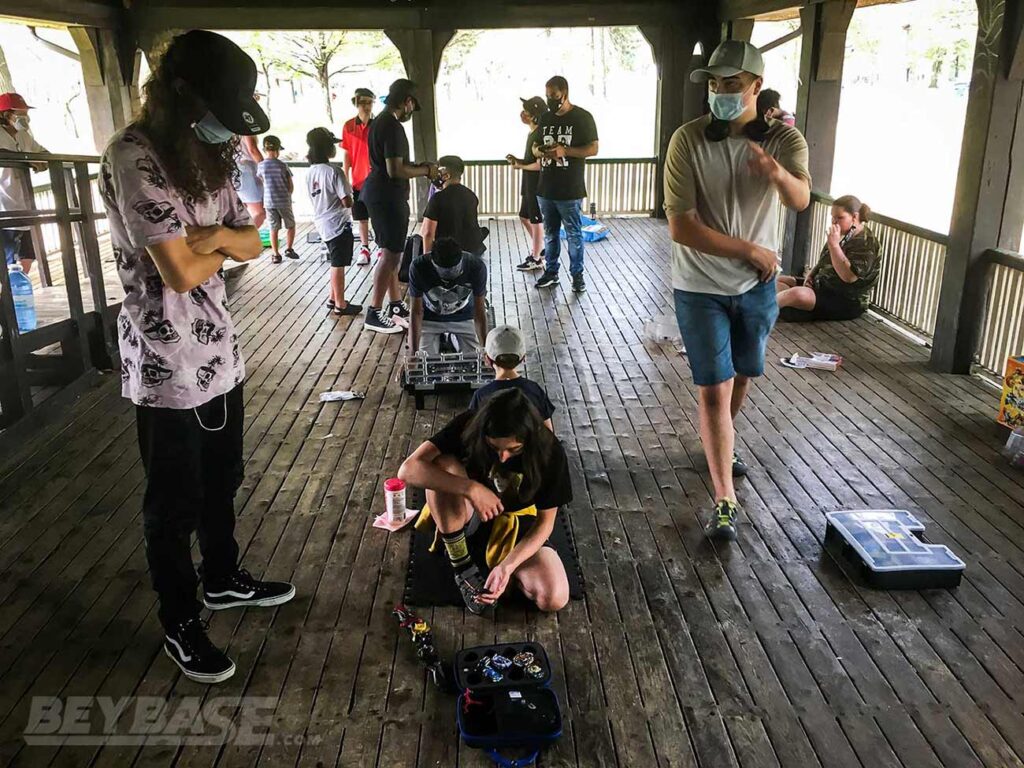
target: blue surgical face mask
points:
(449, 273)
(726, 106)
(211, 130)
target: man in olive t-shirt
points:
(725, 175)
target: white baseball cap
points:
(505, 340)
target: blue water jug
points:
(24, 301)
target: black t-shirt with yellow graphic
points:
(505, 479)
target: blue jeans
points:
(10, 239)
(726, 335)
(557, 213)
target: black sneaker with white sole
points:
(379, 322)
(578, 284)
(189, 647)
(241, 589)
(530, 264)
(547, 280)
(399, 313)
(471, 585)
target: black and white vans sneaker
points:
(530, 264)
(547, 280)
(241, 589)
(379, 322)
(579, 285)
(188, 646)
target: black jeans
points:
(193, 470)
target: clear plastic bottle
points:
(24, 300)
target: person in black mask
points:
(529, 208)
(386, 194)
(448, 290)
(568, 137)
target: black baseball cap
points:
(272, 142)
(363, 92)
(222, 75)
(534, 107)
(321, 136)
(401, 90)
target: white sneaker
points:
(364, 256)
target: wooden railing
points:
(77, 345)
(1002, 325)
(912, 264)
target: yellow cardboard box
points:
(1011, 406)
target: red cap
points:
(12, 101)
(394, 484)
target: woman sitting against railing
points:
(838, 286)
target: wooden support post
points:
(824, 28)
(988, 208)
(15, 395)
(741, 29)
(109, 73)
(679, 100)
(102, 338)
(77, 355)
(421, 51)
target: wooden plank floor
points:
(757, 654)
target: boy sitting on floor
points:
(448, 288)
(504, 351)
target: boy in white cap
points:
(725, 174)
(504, 351)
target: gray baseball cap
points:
(505, 340)
(730, 58)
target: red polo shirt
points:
(353, 141)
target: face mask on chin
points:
(210, 130)
(449, 273)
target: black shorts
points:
(390, 221)
(828, 305)
(529, 209)
(340, 249)
(359, 212)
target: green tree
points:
(319, 54)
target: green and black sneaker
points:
(722, 524)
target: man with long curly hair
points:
(175, 218)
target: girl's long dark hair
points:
(196, 169)
(509, 414)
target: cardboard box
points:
(1011, 406)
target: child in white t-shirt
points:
(331, 196)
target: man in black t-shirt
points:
(386, 194)
(529, 208)
(452, 212)
(568, 137)
(448, 289)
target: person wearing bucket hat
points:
(175, 218)
(386, 194)
(16, 136)
(529, 209)
(725, 176)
